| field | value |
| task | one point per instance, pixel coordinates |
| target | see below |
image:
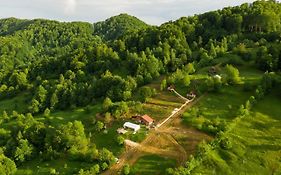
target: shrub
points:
(233, 76)
(120, 140)
(126, 170)
(225, 143)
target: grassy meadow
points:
(256, 143)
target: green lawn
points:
(152, 165)
(256, 143)
(107, 138)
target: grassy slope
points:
(224, 104)
(152, 165)
(256, 143)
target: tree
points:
(126, 169)
(95, 169)
(72, 138)
(53, 171)
(99, 125)
(186, 81)
(145, 92)
(163, 85)
(104, 166)
(5, 115)
(107, 103)
(7, 166)
(23, 151)
(18, 79)
(107, 117)
(232, 74)
(41, 95)
(34, 106)
(120, 140)
(54, 100)
(106, 156)
(47, 112)
(189, 68)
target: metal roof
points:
(147, 118)
(132, 126)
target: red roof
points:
(147, 118)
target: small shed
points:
(147, 120)
(132, 126)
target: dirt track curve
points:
(160, 141)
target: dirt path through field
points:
(163, 141)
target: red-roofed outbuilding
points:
(145, 119)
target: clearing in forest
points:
(171, 141)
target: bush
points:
(107, 118)
(214, 126)
(104, 166)
(225, 143)
(120, 140)
(99, 126)
(53, 171)
(233, 76)
(126, 170)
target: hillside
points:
(66, 87)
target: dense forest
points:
(59, 66)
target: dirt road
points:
(161, 141)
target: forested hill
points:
(45, 50)
(58, 65)
(118, 26)
(24, 42)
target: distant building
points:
(145, 119)
(132, 126)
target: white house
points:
(132, 126)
